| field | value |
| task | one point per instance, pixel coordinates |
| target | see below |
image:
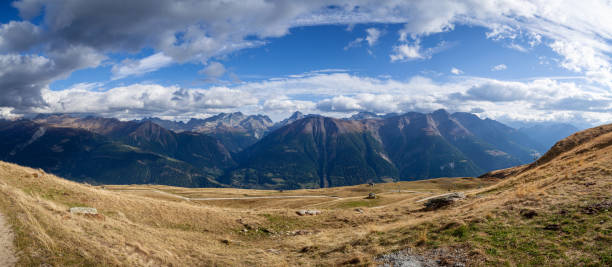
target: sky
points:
(515, 61)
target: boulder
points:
(371, 196)
(308, 212)
(84, 210)
(527, 213)
(552, 227)
(442, 201)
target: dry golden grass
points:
(146, 225)
(139, 226)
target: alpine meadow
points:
(305, 133)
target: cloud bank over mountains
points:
(55, 38)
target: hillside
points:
(236, 131)
(318, 151)
(236, 150)
(314, 152)
(107, 151)
(555, 212)
(549, 134)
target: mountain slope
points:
(235, 131)
(313, 152)
(548, 134)
(316, 151)
(199, 150)
(87, 156)
(419, 150)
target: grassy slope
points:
(141, 226)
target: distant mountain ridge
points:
(235, 130)
(106, 150)
(233, 149)
(317, 151)
(548, 134)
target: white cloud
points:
(518, 47)
(22, 77)
(406, 52)
(341, 94)
(284, 104)
(371, 38)
(456, 71)
(7, 113)
(373, 35)
(195, 31)
(130, 67)
(499, 67)
(141, 100)
(214, 70)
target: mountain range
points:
(251, 151)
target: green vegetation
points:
(506, 237)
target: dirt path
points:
(7, 254)
(237, 198)
(264, 197)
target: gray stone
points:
(442, 201)
(308, 212)
(83, 210)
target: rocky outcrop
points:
(442, 201)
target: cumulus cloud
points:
(59, 37)
(456, 71)
(406, 52)
(341, 94)
(285, 104)
(499, 67)
(142, 100)
(214, 70)
(22, 77)
(373, 35)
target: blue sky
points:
(314, 48)
(515, 61)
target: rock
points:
(302, 232)
(360, 210)
(313, 212)
(552, 227)
(265, 230)
(442, 201)
(445, 256)
(595, 208)
(371, 196)
(84, 210)
(308, 212)
(273, 251)
(353, 261)
(527, 213)
(225, 241)
(308, 249)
